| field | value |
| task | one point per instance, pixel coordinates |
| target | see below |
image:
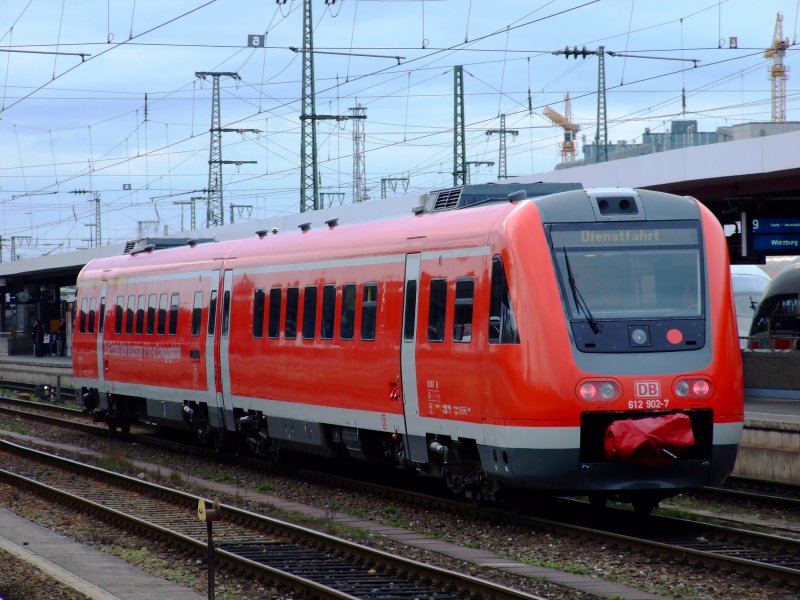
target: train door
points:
(102, 363)
(414, 446)
(215, 414)
(224, 327)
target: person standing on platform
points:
(54, 342)
(38, 338)
(61, 341)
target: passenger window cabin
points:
(119, 314)
(226, 313)
(502, 323)
(309, 312)
(152, 303)
(140, 306)
(410, 311)
(462, 311)
(101, 315)
(274, 319)
(197, 313)
(437, 307)
(259, 300)
(348, 313)
(163, 303)
(129, 315)
(328, 312)
(173, 313)
(92, 314)
(212, 312)
(83, 314)
(369, 311)
(292, 306)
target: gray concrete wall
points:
(772, 371)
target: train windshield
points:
(629, 270)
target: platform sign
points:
(771, 236)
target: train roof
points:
(442, 229)
(785, 282)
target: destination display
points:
(606, 235)
(773, 236)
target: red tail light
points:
(692, 388)
(599, 391)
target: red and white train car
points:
(580, 342)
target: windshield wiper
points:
(580, 303)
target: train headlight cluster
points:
(599, 391)
(692, 388)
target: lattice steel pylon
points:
(309, 179)
(359, 163)
(778, 72)
(459, 142)
(502, 172)
(215, 213)
(601, 136)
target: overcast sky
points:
(101, 95)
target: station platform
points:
(95, 574)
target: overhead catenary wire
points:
(408, 92)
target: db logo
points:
(647, 389)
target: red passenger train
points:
(582, 342)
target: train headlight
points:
(692, 388)
(599, 391)
(639, 336)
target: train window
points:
(92, 314)
(140, 306)
(226, 313)
(328, 312)
(118, 314)
(212, 312)
(347, 322)
(84, 312)
(369, 311)
(197, 313)
(129, 315)
(462, 313)
(437, 304)
(259, 297)
(409, 318)
(502, 323)
(290, 323)
(274, 323)
(309, 312)
(173, 313)
(101, 315)
(151, 313)
(163, 303)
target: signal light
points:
(692, 388)
(599, 391)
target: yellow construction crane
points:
(570, 129)
(778, 72)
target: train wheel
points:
(597, 501)
(644, 505)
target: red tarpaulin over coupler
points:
(652, 441)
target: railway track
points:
(295, 557)
(765, 493)
(728, 548)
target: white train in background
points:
(748, 283)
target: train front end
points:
(649, 369)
